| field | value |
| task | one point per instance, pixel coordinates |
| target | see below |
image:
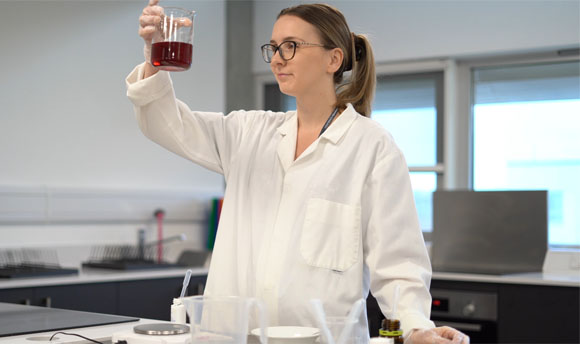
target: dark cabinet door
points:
(150, 299)
(98, 297)
(539, 314)
(23, 296)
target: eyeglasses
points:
(287, 49)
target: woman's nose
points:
(277, 58)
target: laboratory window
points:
(526, 136)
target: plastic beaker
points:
(172, 47)
(225, 319)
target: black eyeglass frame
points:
(276, 48)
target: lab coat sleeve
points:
(395, 252)
(206, 138)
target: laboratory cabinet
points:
(94, 297)
(22, 296)
(508, 313)
(148, 298)
(495, 309)
(539, 314)
(152, 299)
(97, 298)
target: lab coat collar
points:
(334, 132)
(289, 131)
(287, 146)
(290, 124)
(341, 124)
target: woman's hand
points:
(148, 24)
(438, 335)
(149, 21)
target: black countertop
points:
(20, 319)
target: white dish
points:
(290, 334)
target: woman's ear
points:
(336, 57)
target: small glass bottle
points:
(391, 328)
(177, 312)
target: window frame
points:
(438, 77)
(455, 170)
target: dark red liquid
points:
(173, 56)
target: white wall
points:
(66, 124)
(413, 29)
(65, 119)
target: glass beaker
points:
(225, 319)
(342, 330)
(172, 47)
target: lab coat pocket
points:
(330, 235)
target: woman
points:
(318, 202)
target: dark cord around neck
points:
(328, 121)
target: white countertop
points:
(531, 278)
(99, 276)
(101, 333)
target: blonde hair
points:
(357, 54)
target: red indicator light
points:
(436, 302)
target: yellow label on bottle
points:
(385, 333)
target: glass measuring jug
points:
(225, 319)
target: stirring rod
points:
(185, 283)
(395, 301)
(321, 319)
(351, 320)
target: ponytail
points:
(359, 90)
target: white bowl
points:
(290, 334)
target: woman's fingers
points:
(452, 334)
(466, 340)
(155, 19)
(149, 20)
(182, 21)
(147, 32)
(438, 335)
(153, 10)
(446, 332)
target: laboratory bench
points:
(515, 308)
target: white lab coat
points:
(338, 220)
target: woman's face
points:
(307, 71)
